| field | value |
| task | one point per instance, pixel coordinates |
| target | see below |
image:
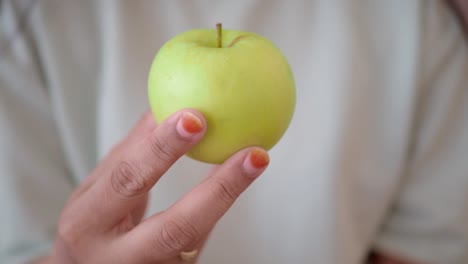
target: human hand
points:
(102, 221)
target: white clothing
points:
(375, 157)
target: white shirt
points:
(375, 157)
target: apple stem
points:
(219, 30)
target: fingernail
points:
(255, 161)
(189, 125)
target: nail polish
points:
(189, 125)
(255, 161)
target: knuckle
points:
(161, 149)
(68, 231)
(147, 118)
(176, 235)
(127, 180)
(225, 191)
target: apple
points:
(240, 81)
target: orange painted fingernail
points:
(255, 161)
(189, 125)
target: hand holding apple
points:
(102, 221)
(239, 81)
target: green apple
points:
(240, 81)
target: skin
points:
(103, 219)
(147, 125)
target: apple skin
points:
(245, 89)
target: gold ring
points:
(188, 256)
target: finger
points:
(190, 256)
(181, 226)
(144, 125)
(140, 210)
(123, 248)
(138, 167)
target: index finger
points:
(136, 168)
(181, 227)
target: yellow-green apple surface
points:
(240, 81)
